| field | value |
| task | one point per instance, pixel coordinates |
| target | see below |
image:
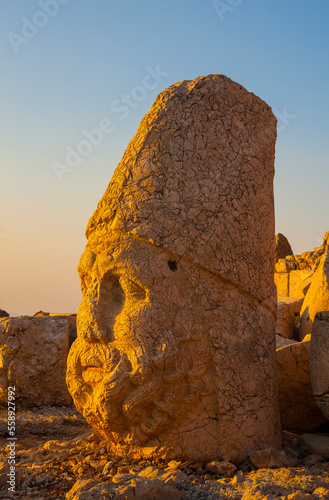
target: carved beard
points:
(133, 405)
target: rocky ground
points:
(58, 456)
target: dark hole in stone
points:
(172, 264)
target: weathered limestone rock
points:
(316, 443)
(282, 247)
(288, 316)
(285, 265)
(299, 411)
(311, 260)
(317, 297)
(33, 353)
(281, 281)
(271, 458)
(72, 319)
(299, 282)
(282, 342)
(319, 361)
(41, 314)
(224, 467)
(293, 274)
(175, 355)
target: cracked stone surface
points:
(288, 315)
(282, 247)
(175, 355)
(319, 361)
(33, 354)
(299, 411)
(317, 297)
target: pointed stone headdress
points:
(197, 180)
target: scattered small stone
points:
(196, 466)
(271, 458)
(173, 464)
(239, 478)
(223, 467)
(311, 460)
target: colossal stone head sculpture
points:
(175, 349)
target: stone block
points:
(287, 321)
(33, 354)
(281, 281)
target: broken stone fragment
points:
(224, 468)
(282, 284)
(299, 282)
(288, 316)
(282, 341)
(271, 458)
(285, 265)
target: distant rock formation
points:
(293, 274)
(41, 314)
(3, 314)
(282, 247)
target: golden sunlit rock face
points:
(175, 355)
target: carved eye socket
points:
(133, 290)
(172, 264)
(111, 300)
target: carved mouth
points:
(100, 366)
(92, 370)
(92, 375)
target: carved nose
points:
(100, 308)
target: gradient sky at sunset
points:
(72, 66)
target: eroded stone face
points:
(175, 355)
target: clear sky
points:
(72, 66)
